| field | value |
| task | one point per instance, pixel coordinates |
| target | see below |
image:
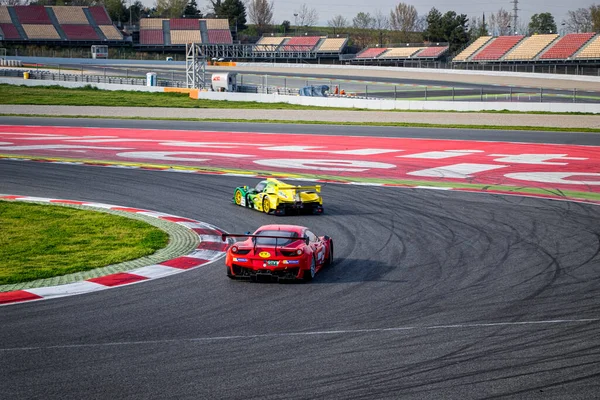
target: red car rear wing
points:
(224, 236)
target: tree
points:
(595, 17)
(542, 23)
(285, 26)
(116, 10)
(450, 27)
(434, 32)
(233, 10)
(170, 8)
(14, 3)
(478, 28)
(191, 10)
(363, 21)
(403, 18)
(579, 20)
(380, 21)
(337, 22)
(500, 23)
(260, 13)
(307, 16)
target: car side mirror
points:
(248, 233)
(307, 240)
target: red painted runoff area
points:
(542, 166)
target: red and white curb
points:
(210, 249)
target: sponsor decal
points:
(273, 262)
(240, 259)
(264, 254)
(291, 261)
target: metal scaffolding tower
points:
(195, 66)
(515, 16)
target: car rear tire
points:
(229, 275)
(238, 197)
(310, 274)
(266, 205)
(330, 256)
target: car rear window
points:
(285, 238)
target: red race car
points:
(278, 252)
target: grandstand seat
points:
(371, 52)
(400, 52)
(5, 15)
(111, 32)
(185, 24)
(530, 47)
(151, 23)
(220, 24)
(41, 32)
(32, 15)
(301, 43)
(472, 48)
(269, 43)
(431, 52)
(10, 31)
(80, 32)
(152, 36)
(184, 37)
(100, 16)
(69, 15)
(332, 45)
(497, 48)
(219, 36)
(566, 46)
(592, 50)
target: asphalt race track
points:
(433, 294)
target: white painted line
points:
(206, 254)
(439, 155)
(155, 271)
(67, 289)
(210, 238)
(433, 187)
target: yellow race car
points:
(273, 196)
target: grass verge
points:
(41, 241)
(90, 96)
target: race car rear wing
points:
(224, 237)
(315, 188)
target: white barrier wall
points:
(404, 104)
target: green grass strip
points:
(43, 241)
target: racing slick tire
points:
(238, 197)
(266, 205)
(229, 275)
(329, 260)
(310, 274)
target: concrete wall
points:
(403, 104)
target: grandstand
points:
(530, 47)
(497, 48)
(472, 48)
(566, 46)
(301, 43)
(400, 52)
(177, 32)
(371, 52)
(591, 51)
(58, 25)
(332, 45)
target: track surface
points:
(433, 295)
